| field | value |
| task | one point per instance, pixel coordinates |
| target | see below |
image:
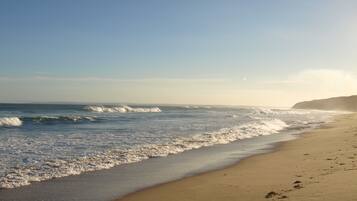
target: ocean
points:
(44, 141)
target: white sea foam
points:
(232, 116)
(121, 109)
(53, 168)
(274, 111)
(10, 121)
(197, 107)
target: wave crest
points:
(121, 109)
(197, 107)
(49, 119)
(272, 111)
(10, 121)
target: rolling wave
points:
(58, 119)
(19, 121)
(197, 107)
(272, 111)
(121, 109)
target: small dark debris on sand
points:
(298, 186)
(271, 194)
(297, 182)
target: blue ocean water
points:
(43, 141)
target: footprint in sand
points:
(283, 197)
(298, 186)
(273, 194)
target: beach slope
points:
(321, 165)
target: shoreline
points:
(121, 180)
(302, 185)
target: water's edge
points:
(127, 179)
(268, 148)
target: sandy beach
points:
(178, 100)
(321, 165)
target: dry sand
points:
(321, 165)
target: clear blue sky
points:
(200, 52)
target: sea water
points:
(44, 141)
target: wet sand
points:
(321, 165)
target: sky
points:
(212, 52)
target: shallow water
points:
(106, 185)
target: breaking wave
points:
(58, 119)
(10, 121)
(271, 111)
(19, 121)
(54, 168)
(197, 107)
(121, 109)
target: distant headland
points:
(344, 103)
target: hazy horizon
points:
(161, 104)
(261, 53)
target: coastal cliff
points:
(345, 103)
